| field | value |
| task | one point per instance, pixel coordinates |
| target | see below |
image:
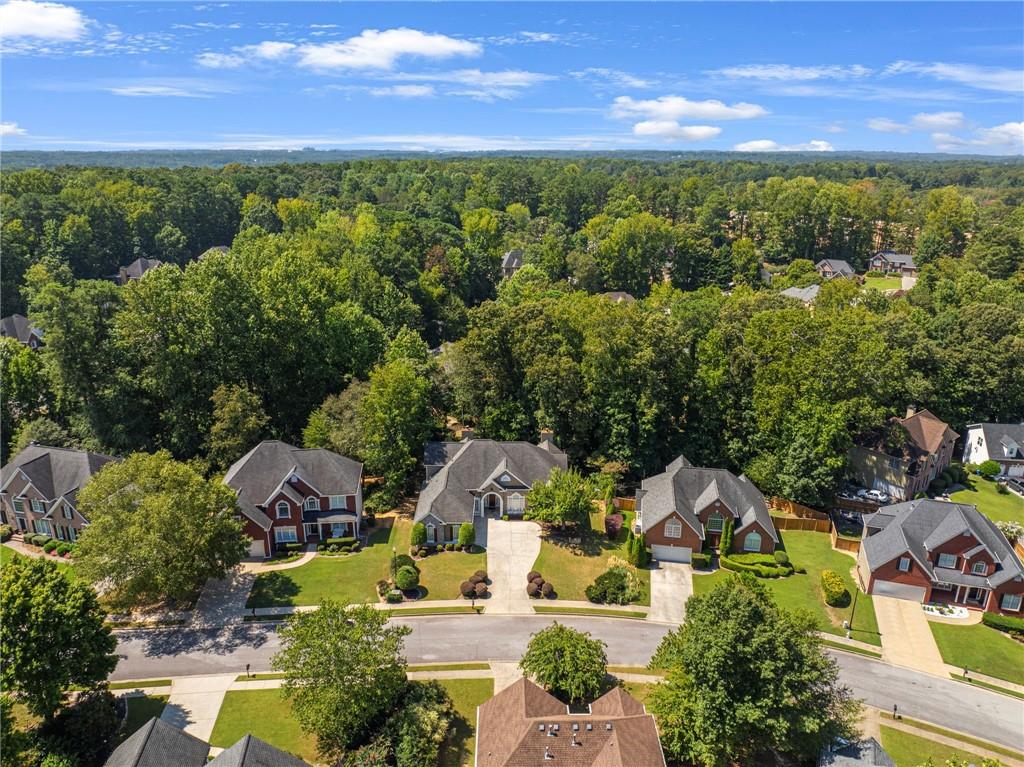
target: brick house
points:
(905, 457)
(293, 495)
(136, 269)
(829, 268)
(937, 551)
(892, 262)
(39, 490)
(477, 478)
(684, 509)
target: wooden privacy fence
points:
(1018, 547)
(625, 504)
(795, 509)
(795, 523)
(843, 544)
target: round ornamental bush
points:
(833, 589)
(414, 551)
(49, 546)
(782, 557)
(474, 579)
(532, 589)
(481, 574)
(480, 589)
(394, 597)
(466, 589)
(5, 533)
(449, 547)
(547, 589)
(424, 551)
(356, 546)
(63, 548)
(407, 578)
(532, 576)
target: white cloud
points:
(157, 90)
(482, 86)
(166, 87)
(268, 50)
(1005, 138)
(404, 91)
(45, 21)
(672, 130)
(885, 125)
(541, 37)
(11, 129)
(613, 78)
(834, 128)
(767, 145)
(678, 107)
(983, 78)
(374, 49)
(938, 121)
(212, 60)
(785, 72)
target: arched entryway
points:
(493, 505)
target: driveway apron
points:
(195, 702)
(671, 586)
(907, 639)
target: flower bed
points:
(947, 611)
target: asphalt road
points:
(175, 652)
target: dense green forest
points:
(315, 325)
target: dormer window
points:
(979, 568)
(294, 479)
(312, 504)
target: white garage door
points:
(671, 553)
(256, 549)
(899, 590)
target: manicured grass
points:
(451, 667)
(980, 649)
(141, 709)
(635, 670)
(814, 552)
(987, 686)
(551, 609)
(254, 677)
(883, 283)
(7, 554)
(466, 694)
(850, 648)
(570, 573)
(267, 715)
(909, 750)
(440, 574)
(410, 612)
(639, 690)
(997, 507)
(970, 741)
(140, 684)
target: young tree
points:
(989, 468)
(467, 534)
(343, 670)
(745, 677)
(239, 422)
(52, 636)
(158, 529)
(564, 499)
(568, 663)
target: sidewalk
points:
(874, 720)
(257, 567)
(195, 702)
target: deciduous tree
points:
(567, 663)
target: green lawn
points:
(909, 750)
(983, 494)
(814, 552)
(140, 710)
(883, 283)
(639, 690)
(7, 554)
(570, 573)
(267, 715)
(980, 649)
(441, 574)
(556, 610)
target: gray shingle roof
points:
(686, 489)
(159, 744)
(862, 753)
(837, 265)
(18, 327)
(250, 751)
(899, 259)
(807, 295)
(447, 495)
(996, 435)
(513, 259)
(138, 267)
(55, 471)
(917, 527)
(267, 467)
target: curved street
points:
(175, 652)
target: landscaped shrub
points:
(504, 517)
(383, 587)
(613, 525)
(1006, 623)
(418, 536)
(759, 565)
(1002, 489)
(833, 589)
(481, 574)
(533, 588)
(782, 557)
(423, 551)
(401, 560)
(407, 578)
(616, 586)
(356, 545)
(467, 589)
(5, 533)
(49, 546)
(64, 548)
(701, 560)
(414, 551)
(643, 556)
(988, 468)
(475, 579)
(532, 576)
(481, 589)
(1013, 531)
(936, 486)
(344, 541)
(467, 534)
(292, 548)
(725, 542)
(394, 597)
(547, 589)
(947, 478)
(345, 549)
(449, 547)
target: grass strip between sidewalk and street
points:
(453, 610)
(636, 670)
(605, 613)
(450, 667)
(850, 648)
(969, 740)
(139, 684)
(989, 686)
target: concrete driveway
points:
(907, 639)
(671, 586)
(512, 548)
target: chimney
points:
(911, 410)
(467, 433)
(547, 435)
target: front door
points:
(431, 534)
(21, 524)
(974, 594)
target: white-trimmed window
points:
(312, 503)
(43, 526)
(37, 506)
(752, 542)
(284, 511)
(19, 506)
(285, 535)
(942, 587)
(979, 568)
(516, 503)
(431, 534)
(673, 528)
(337, 502)
(715, 522)
(72, 534)
(68, 513)
(903, 565)
(947, 560)
(1010, 602)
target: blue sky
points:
(919, 77)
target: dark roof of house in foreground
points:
(919, 527)
(522, 723)
(261, 472)
(807, 295)
(687, 489)
(250, 751)
(18, 327)
(55, 471)
(478, 463)
(862, 753)
(159, 744)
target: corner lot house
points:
(19, 328)
(936, 551)
(39, 490)
(904, 468)
(293, 495)
(999, 442)
(891, 261)
(684, 509)
(524, 725)
(476, 478)
(830, 268)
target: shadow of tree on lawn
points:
(274, 589)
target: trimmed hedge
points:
(759, 565)
(782, 557)
(1003, 622)
(701, 561)
(345, 541)
(833, 589)
(50, 545)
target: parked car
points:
(863, 493)
(877, 496)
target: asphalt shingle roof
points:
(807, 295)
(996, 435)
(250, 751)
(55, 471)
(837, 265)
(17, 326)
(159, 744)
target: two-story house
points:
(511, 263)
(476, 478)
(136, 269)
(891, 261)
(294, 495)
(20, 329)
(830, 268)
(39, 490)
(936, 551)
(904, 458)
(684, 509)
(999, 442)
